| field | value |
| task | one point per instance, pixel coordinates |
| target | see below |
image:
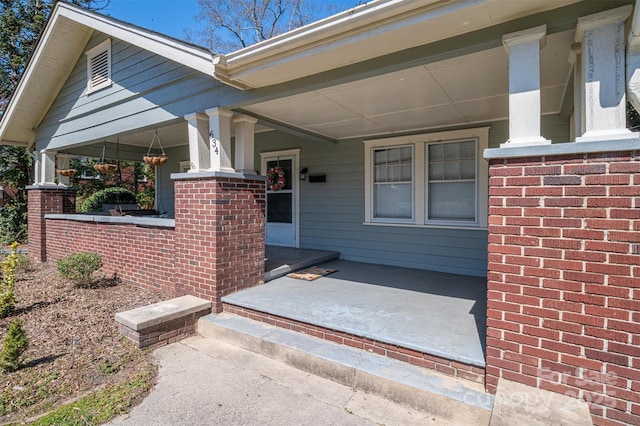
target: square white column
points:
(577, 125)
(603, 75)
(198, 130)
(47, 167)
(220, 139)
(523, 48)
(245, 144)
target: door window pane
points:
(279, 208)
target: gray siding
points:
(332, 213)
(147, 90)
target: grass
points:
(101, 406)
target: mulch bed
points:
(56, 313)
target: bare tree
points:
(233, 24)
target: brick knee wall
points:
(219, 236)
(564, 279)
(143, 255)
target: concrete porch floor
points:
(431, 312)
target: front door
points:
(282, 197)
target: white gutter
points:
(633, 59)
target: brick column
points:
(42, 200)
(564, 278)
(219, 234)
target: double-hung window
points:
(393, 183)
(437, 179)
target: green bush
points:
(79, 267)
(8, 283)
(107, 196)
(146, 198)
(13, 225)
(14, 345)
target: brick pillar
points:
(42, 200)
(564, 278)
(219, 234)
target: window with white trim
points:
(436, 179)
(393, 183)
(99, 66)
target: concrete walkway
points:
(208, 382)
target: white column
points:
(47, 167)
(199, 155)
(37, 168)
(575, 58)
(523, 48)
(603, 74)
(220, 139)
(245, 142)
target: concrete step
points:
(412, 386)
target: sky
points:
(170, 17)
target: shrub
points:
(14, 345)
(8, 283)
(146, 198)
(79, 267)
(107, 196)
(13, 225)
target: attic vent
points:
(99, 66)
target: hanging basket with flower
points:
(276, 179)
(64, 169)
(104, 167)
(155, 159)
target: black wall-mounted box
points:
(317, 178)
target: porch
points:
(439, 314)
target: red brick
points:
(607, 180)
(606, 334)
(583, 319)
(579, 340)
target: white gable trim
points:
(197, 58)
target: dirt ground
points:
(74, 343)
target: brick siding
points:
(564, 279)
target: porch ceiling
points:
(468, 89)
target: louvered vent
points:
(99, 66)
(99, 70)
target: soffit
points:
(468, 89)
(369, 31)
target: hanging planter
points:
(64, 170)
(67, 172)
(155, 159)
(102, 166)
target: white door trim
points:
(295, 183)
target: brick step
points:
(398, 381)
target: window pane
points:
(451, 151)
(393, 201)
(380, 156)
(451, 170)
(436, 152)
(468, 169)
(452, 200)
(279, 208)
(394, 173)
(406, 154)
(468, 150)
(393, 155)
(381, 174)
(436, 171)
(406, 173)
